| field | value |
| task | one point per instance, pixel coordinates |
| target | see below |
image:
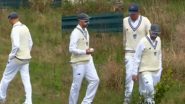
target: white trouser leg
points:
(11, 70)
(156, 76)
(25, 76)
(129, 83)
(93, 82)
(78, 75)
(147, 86)
(141, 84)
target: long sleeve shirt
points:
(21, 41)
(139, 55)
(74, 39)
(79, 42)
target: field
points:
(51, 73)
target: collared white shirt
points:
(137, 56)
(136, 22)
(74, 39)
(16, 39)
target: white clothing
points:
(80, 71)
(12, 67)
(21, 41)
(82, 68)
(129, 83)
(138, 57)
(136, 22)
(147, 82)
(148, 79)
(133, 31)
(79, 42)
(74, 39)
(18, 61)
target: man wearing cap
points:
(148, 63)
(82, 62)
(135, 27)
(18, 58)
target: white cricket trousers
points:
(80, 71)
(12, 67)
(129, 83)
(147, 82)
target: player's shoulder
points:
(25, 27)
(16, 28)
(144, 39)
(75, 32)
(125, 19)
(145, 18)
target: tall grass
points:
(51, 73)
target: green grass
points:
(51, 73)
(175, 95)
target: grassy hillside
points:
(51, 74)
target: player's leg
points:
(25, 76)
(93, 82)
(129, 83)
(148, 93)
(11, 70)
(78, 75)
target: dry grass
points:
(112, 75)
(50, 69)
(178, 49)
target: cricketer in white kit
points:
(135, 27)
(148, 64)
(82, 62)
(18, 58)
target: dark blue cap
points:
(83, 16)
(133, 8)
(155, 28)
(13, 15)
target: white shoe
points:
(86, 102)
(126, 101)
(149, 101)
(26, 103)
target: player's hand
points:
(134, 77)
(89, 51)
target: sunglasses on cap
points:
(86, 21)
(155, 33)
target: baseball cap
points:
(133, 8)
(13, 15)
(83, 16)
(155, 28)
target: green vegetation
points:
(51, 74)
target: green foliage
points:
(164, 86)
(89, 7)
(175, 95)
(51, 74)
